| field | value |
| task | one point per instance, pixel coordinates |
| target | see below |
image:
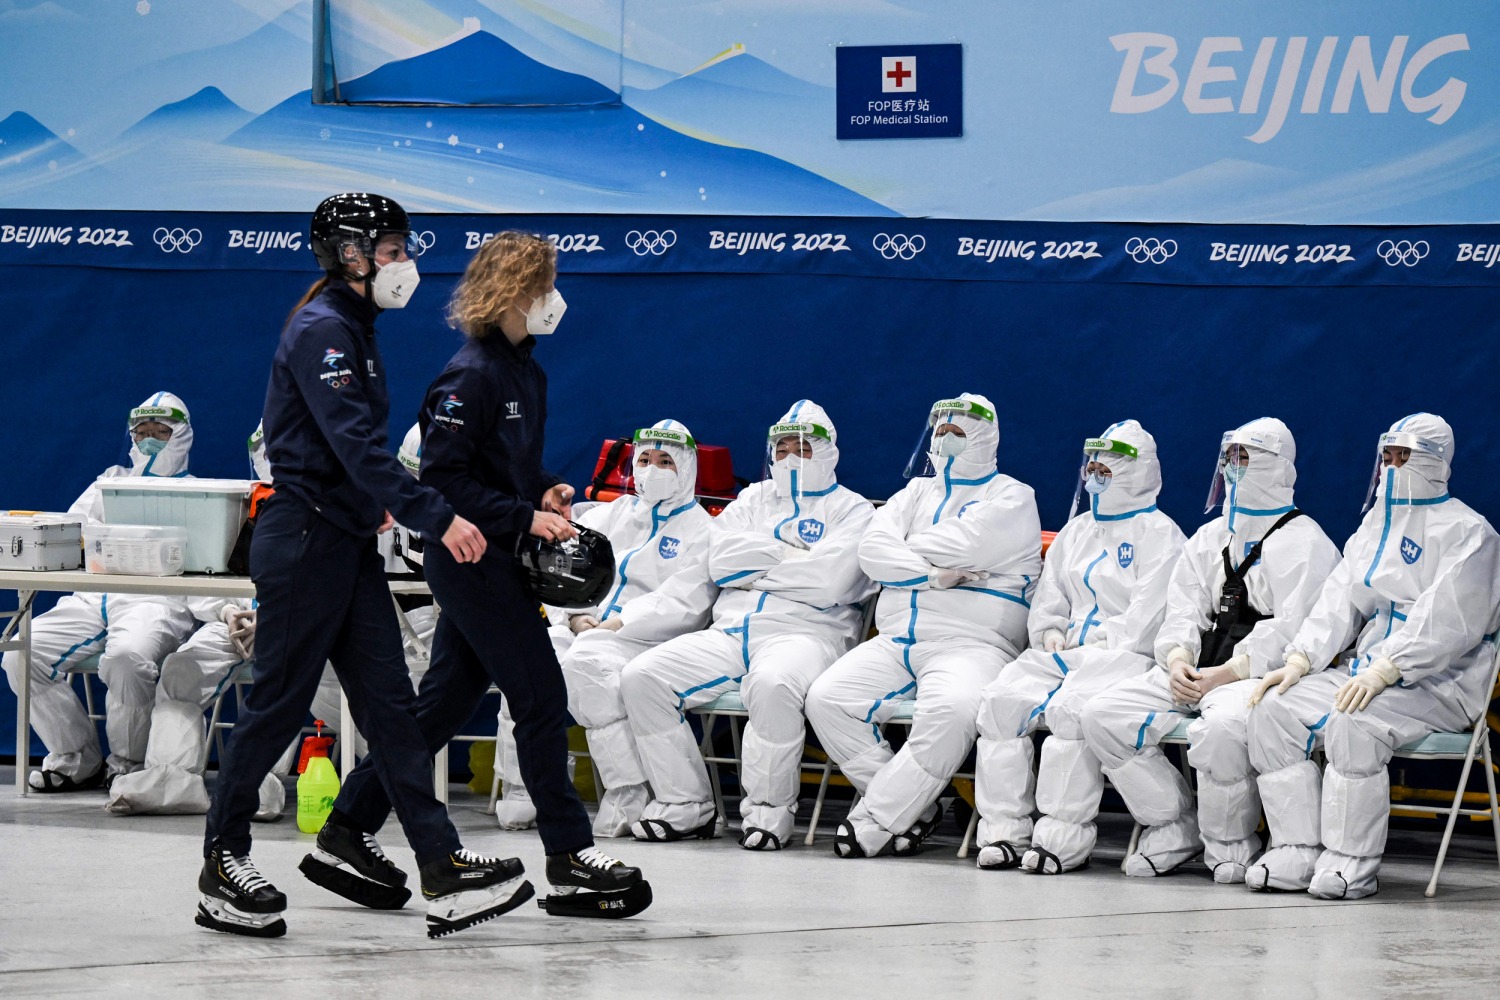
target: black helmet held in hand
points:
(355, 218)
(572, 574)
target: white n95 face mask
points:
(949, 445)
(654, 484)
(545, 313)
(393, 285)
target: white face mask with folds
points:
(394, 284)
(545, 313)
(653, 483)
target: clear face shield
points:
(654, 475)
(1394, 451)
(791, 444)
(1232, 466)
(1098, 467)
(942, 436)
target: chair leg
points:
(963, 848)
(1489, 779)
(1453, 811)
(812, 824)
(706, 748)
(489, 810)
(1135, 840)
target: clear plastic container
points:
(134, 549)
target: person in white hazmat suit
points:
(1095, 614)
(191, 678)
(659, 531)
(957, 554)
(1242, 587)
(130, 633)
(1418, 593)
(784, 555)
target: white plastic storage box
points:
(211, 510)
(134, 549)
(38, 541)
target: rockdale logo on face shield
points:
(1230, 75)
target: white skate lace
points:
(374, 848)
(471, 857)
(243, 873)
(595, 858)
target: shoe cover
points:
(684, 817)
(1292, 798)
(164, 791)
(902, 792)
(1039, 861)
(1068, 791)
(1163, 848)
(1000, 856)
(1155, 791)
(176, 738)
(1288, 868)
(770, 772)
(1356, 813)
(515, 810)
(618, 808)
(675, 768)
(873, 839)
(1339, 876)
(1229, 873)
(1004, 790)
(1228, 813)
(775, 820)
(272, 799)
(616, 760)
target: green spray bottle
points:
(317, 783)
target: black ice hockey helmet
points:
(572, 574)
(357, 218)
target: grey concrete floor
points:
(95, 905)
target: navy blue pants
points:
(323, 597)
(490, 630)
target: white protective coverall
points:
(1419, 589)
(1094, 617)
(785, 553)
(957, 556)
(1123, 725)
(657, 533)
(129, 633)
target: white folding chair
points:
(1465, 745)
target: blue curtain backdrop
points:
(727, 354)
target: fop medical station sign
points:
(900, 91)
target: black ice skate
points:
(465, 889)
(237, 899)
(610, 889)
(350, 863)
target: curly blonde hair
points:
(508, 270)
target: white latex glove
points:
(612, 625)
(582, 623)
(1239, 666)
(1054, 641)
(1184, 677)
(241, 624)
(1283, 677)
(946, 579)
(1359, 690)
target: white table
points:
(17, 637)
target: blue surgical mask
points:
(150, 446)
(950, 445)
(1096, 484)
(1234, 473)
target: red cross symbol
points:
(899, 74)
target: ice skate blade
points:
(331, 875)
(217, 915)
(565, 902)
(457, 911)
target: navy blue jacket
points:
(482, 426)
(325, 421)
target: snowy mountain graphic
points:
(478, 69)
(28, 147)
(738, 98)
(208, 116)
